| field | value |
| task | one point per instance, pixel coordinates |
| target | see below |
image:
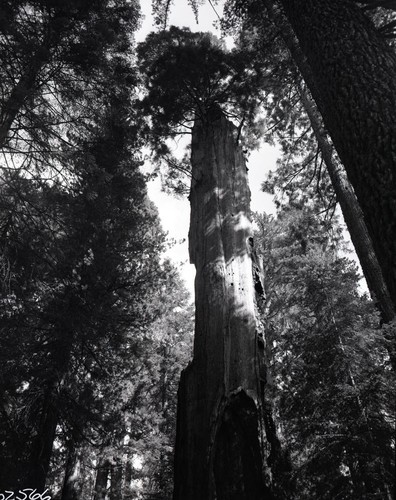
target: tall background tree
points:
(81, 277)
(221, 396)
(81, 242)
(54, 55)
(329, 367)
(353, 72)
(293, 120)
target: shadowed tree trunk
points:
(127, 493)
(102, 475)
(354, 76)
(42, 446)
(70, 490)
(41, 450)
(22, 90)
(221, 443)
(28, 82)
(346, 197)
(353, 215)
(116, 480)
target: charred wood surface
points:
(222, 448)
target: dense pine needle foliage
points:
(332, 379)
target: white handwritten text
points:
(26, 494)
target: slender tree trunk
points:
(22, 90)
(70, 490)
(116, 481)
(127, 493)
(41, 451)
(346, 197)
(354, 74)
(221, 444)
(102, 475)
(42, 446)
(29, 80)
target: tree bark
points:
(127, 493)
(354, 73)
(221, 443)
(41, 450)
(22, 90)
(346, 197)
(55, 30)
(70, 490)
(42, 446)
(102, 475)
(353, 216)
(116, 480)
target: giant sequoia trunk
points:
(353, 216)
(354, 74)
(221, 444)
(346, 197)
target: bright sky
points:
(175, 213)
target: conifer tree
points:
(82, 260)
(338, 40)
(330, 367)
(57, 60)
(221, 395)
